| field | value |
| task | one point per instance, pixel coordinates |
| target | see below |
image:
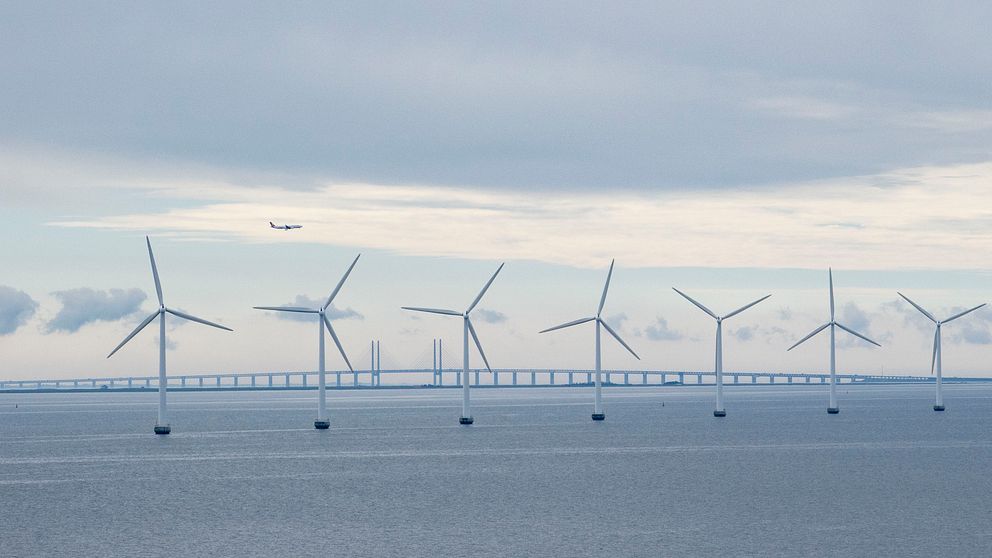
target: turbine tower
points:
(162, 425)
(937, 353)
(597, 413)
(720, 411)
(322, 422)
(833, 409)
(467, 329)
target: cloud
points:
(744, 333)
(974, 329)
(490, 316)
(659, 331)
(785, 313)
(930, 214)
(16, 308)
(303, 301)
(852, 316)
(84, 305)
(616, 321)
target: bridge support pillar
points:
(737, 379)
(217, 380)
(495, 378)
(476, 378)
(754, 379)
(699, 378)
(201, 381)
(148, 382)
(771, 379)
(533, 378)
(270, 380)
(807, 379)
(626, 378)
(552, 377)
(589, 377)
(253, 381)
(182, 381)
(130, 382)
(681, 377)
(644, 378)
(235, 381)
(789, 379)
(305, 379)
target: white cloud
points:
(935, 217)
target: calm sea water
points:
(246, 474)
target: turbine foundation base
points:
(938, 407)
(833, 410)
(162, 429)
(466, 420)
(321, 424)
(599, 416)
(720, 413)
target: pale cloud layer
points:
(929, 217)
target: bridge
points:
(449, 377)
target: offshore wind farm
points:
(787, 355)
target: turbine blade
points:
(933, 360)
(432, 310)
(334, 336)
(484, 289)
(959, 314)
(698, 305)
(856, 334)
(830, 272)
(918, 307)
(814, 332)
(617, 337)
(287, 309)
(475, 337)
(334, 293)
(140, 327)
(568, 324)
(606, 288)
(195, 319)
(743, 308)
(158, 283)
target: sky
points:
(731, 150)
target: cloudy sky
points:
(729, 149)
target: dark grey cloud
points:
(490, 316)
(659, 331)
(526, 94)
(84, 305)
(303, 301)
(16, 308)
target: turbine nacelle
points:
(466, 318)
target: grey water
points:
(245, 474)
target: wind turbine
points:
(720, 411)
(597, 413)
(322, 422)
(467, 329)
(937, 354)
(162, 425)
(833, 409)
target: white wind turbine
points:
(833, 409)
(598, 413)
(162, 425)
(322, 422)
(467, 329)
(720, 411)
(937, 354)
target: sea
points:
(246, 474)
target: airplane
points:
(284, 227)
